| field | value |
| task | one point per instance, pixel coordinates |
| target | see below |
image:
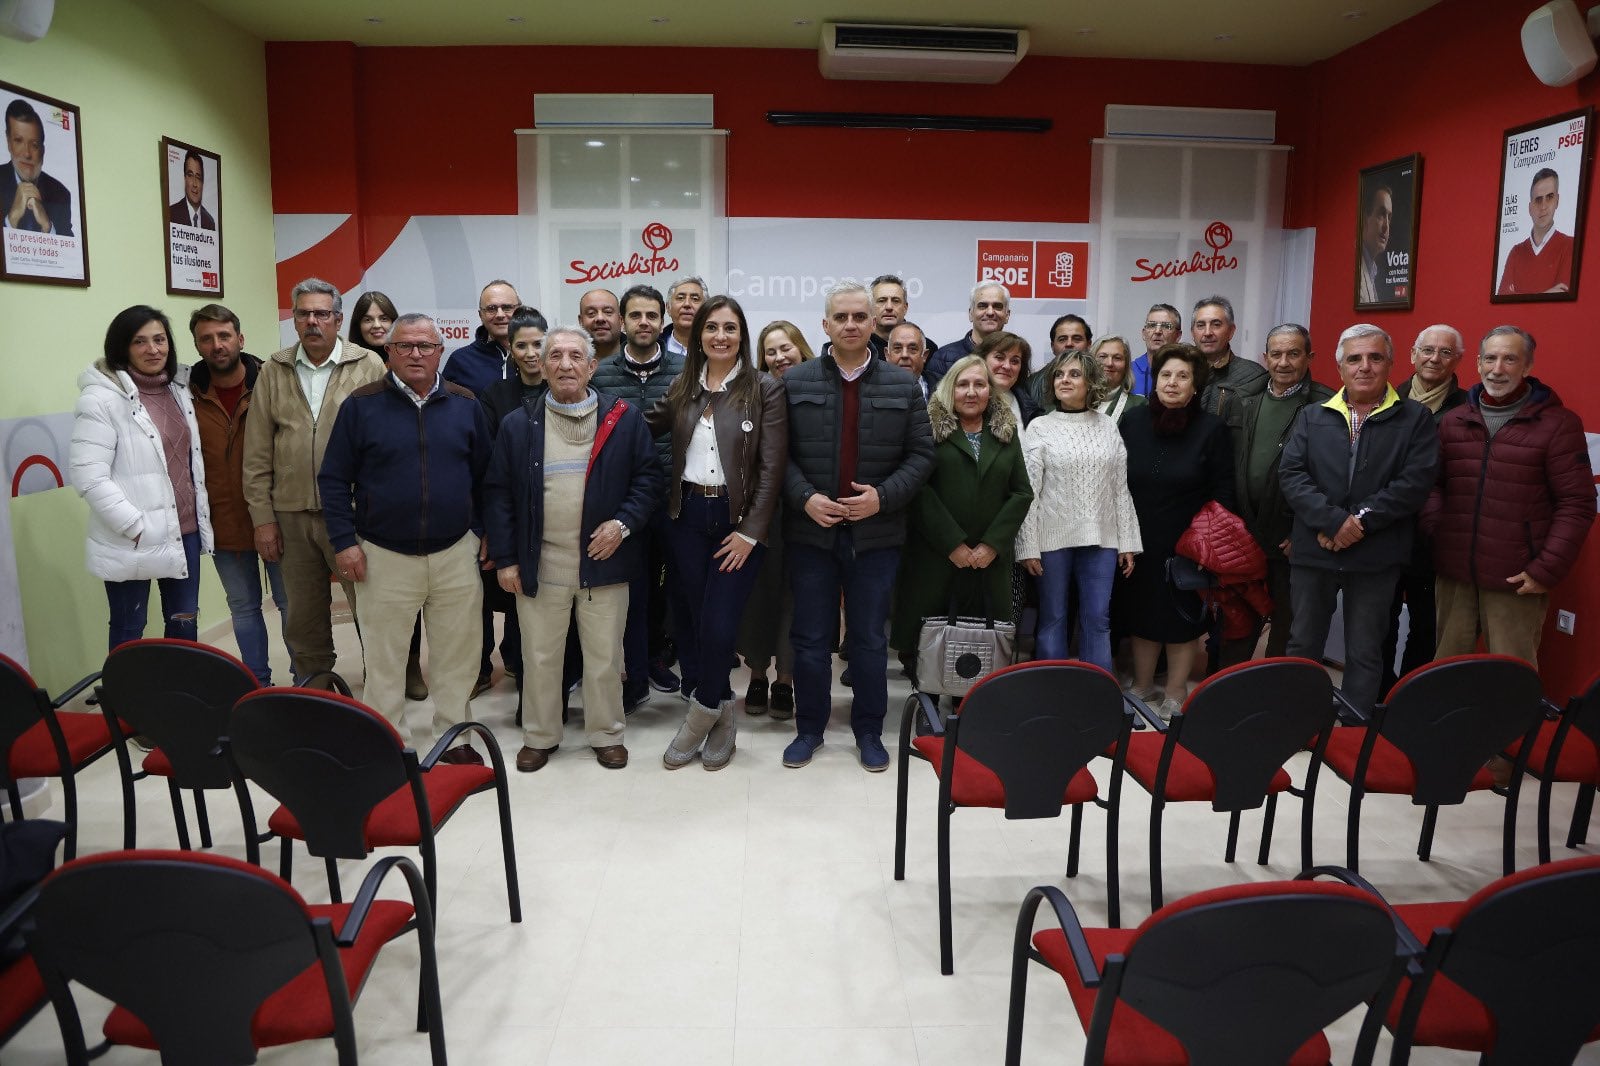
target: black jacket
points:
(1263, 508)
(623, 482)
(894, 449)
(1389, 476)
(615, 377)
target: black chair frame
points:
(1259, 923)
(1244, 745)
(1582, 712)
(1531, 1005)
(177, 694)
(68, 948)
(332, 797)
(15, 683)
(1446, 748)
(1034, 787)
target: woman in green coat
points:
(960, 540)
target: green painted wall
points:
(137, 70)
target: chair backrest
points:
(1036, 725)
(1528, 948)
(22, 705)
(1245, 722)
(1586, 715)
(190, 943)
(179, 694)
(328, 758)
(1453, 715)
(1248, 973)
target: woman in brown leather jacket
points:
(730, 447)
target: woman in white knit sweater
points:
(1082, 525)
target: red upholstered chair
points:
(22, 991)
(178, 694)
(38, 739)
(1247, 975)
(1022, 742)
(1510, 973)
(1228, 747)
(1432, 738)
(346, 782)
(208, 958)
(1568, 749)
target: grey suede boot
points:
(691, 735)
(719, 742)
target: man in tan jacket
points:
(296, 397)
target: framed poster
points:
(43, 237)
(191, 211)
(1387, 208)
(1544, 187)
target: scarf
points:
(1173, 421)
(1432, 398)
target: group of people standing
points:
(659, 483)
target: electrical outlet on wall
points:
(1566, 622)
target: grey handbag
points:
(955, 653)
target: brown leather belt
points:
(709, 491)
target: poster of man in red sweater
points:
(1551, 157)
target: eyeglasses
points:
(320, 314)
(423, 348)
(502, 309)
(1159, 326)
(1443, 353)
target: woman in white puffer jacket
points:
(136, 461)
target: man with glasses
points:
(1432, 384)
(1162, 326)
(292, 409)
(488, 358)
(989, 312)
(401, 482)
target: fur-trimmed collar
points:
(999, 420)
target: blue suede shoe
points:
(802, 747)
(872, 754)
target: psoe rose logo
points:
(655, 237)
(1218, 236)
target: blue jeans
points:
(648, 597)
(818, 576)
(180, 601)
(240, 574)
(707, 631)
(1092, 569)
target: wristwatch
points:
(623, 526)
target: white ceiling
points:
(1286, 32)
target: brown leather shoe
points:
(614, 757)
(531, 759)
(416, 684)
(462, 755)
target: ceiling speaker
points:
(1556, 41)
(26, 20)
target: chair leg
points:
(175, 794)
(903, 772)
(1509, 845)
(1157, 811)
(69, 804)
(1073, 839)
(509, 848)
(1578, 833)
(14, 793)
(1266, 829)
(1019, 998)
(334, 892)
(1430, 818)
(1307, 803)
(1352, 833)
(202, 817)
(286, 859)
(1233, 837)
(130, 818)
(1546, 785)
(947, 965)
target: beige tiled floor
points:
(750, 916)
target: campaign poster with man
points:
(42, 231)
(191, 209)
(1386, 234)
(1544, 183)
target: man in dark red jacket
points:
(1512, 503)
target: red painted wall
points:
(1448, 83)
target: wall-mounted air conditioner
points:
(869, 52)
